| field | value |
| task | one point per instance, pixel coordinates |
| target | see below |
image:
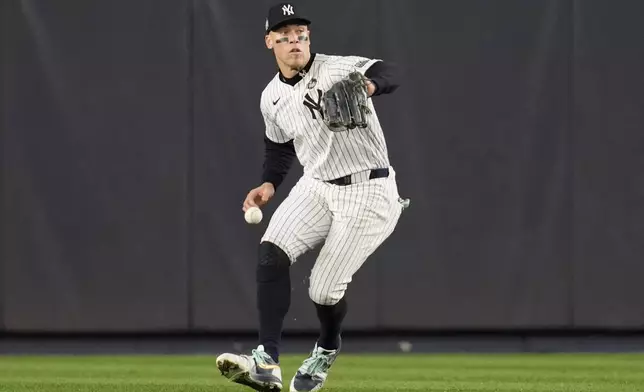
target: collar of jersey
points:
(293, 81)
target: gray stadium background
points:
(131, 132)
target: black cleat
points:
(313, 373)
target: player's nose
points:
(293, 37)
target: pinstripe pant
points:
(351, 221)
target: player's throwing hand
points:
(259, 196)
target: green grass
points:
(412, 372)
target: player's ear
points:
(269, 41)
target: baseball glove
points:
(345, 104)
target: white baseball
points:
(405, 346)
(253, 215)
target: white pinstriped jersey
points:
(348, 222)
(293, 113)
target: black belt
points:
(346, 180)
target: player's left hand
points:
(371, 87)
(345, 103)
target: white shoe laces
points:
(261, 356)
(316, 363)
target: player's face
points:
(291, 45)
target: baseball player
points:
(317, 109)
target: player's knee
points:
(325, 297)
(273, 264)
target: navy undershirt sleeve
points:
(385, 76)
(278, 159)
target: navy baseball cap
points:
(282, 14)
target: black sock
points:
(273, 296)
(331, 317)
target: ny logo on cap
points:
(287, 9)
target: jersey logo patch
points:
(361, 63)
(276, 101)
(312, 83)
(314, 106)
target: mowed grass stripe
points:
(451, 372)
